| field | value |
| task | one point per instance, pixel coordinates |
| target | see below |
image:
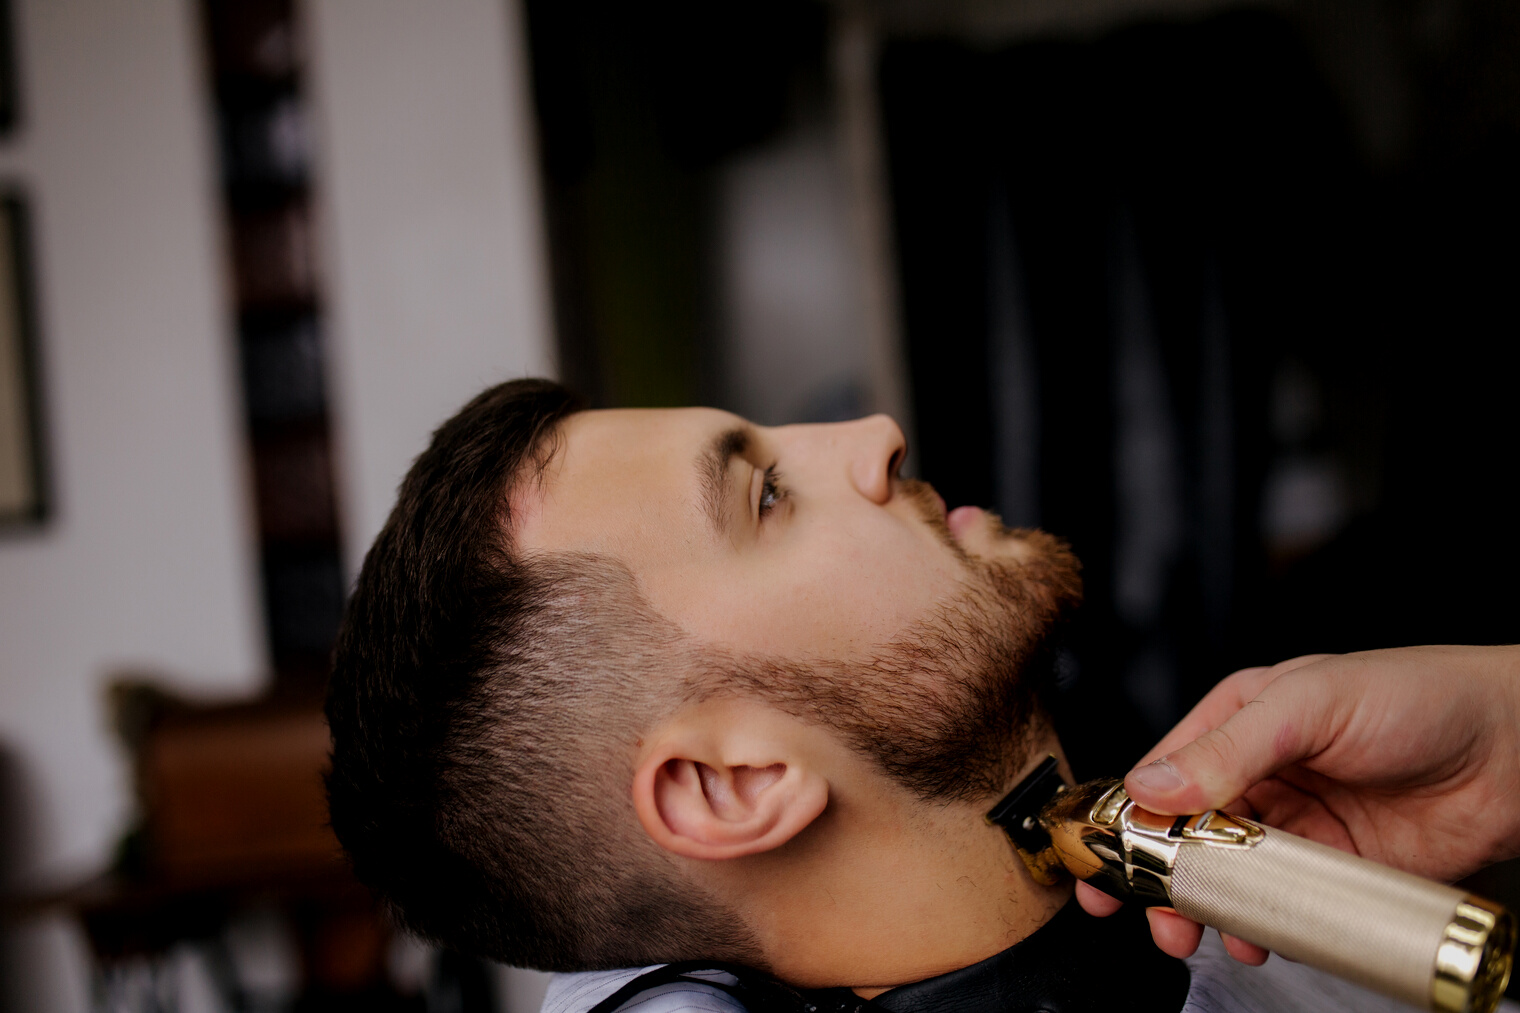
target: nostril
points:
(895, 464)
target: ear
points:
(713, 790)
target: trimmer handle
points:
(1424, 943)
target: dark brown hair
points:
(480, 708)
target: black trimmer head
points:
(1019, 816)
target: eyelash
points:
(772, 493)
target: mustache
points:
(927, 503)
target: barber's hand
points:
(1409, 757)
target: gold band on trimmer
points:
(1474, 959)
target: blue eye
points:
(771, 491)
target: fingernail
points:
(1158, 776)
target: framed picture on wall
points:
(23, 486)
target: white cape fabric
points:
(1220, 984)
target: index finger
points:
(1232, 693)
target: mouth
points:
(963, 519)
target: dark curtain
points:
(1160, 303)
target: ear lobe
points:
(698, 810)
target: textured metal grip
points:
(1358, 920)
(1427, 944)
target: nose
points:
(876, 450)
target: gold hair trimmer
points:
(1424, 943)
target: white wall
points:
(148, 562)
(437, 277)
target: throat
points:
(892, 894)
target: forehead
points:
(619, 481)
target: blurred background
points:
(1222, 292)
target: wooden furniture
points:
(233, 822)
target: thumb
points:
(1280, 727)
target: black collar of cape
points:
(1072, 964)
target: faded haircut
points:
(482, 709)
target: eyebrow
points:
(712, 471)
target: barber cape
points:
(1073, 964)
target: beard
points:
(950, 708)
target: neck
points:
(887, 890)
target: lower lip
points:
(961, 519)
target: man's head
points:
(601, 669)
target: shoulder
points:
(1222, 984)
(577, 993)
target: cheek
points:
(824, 596)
